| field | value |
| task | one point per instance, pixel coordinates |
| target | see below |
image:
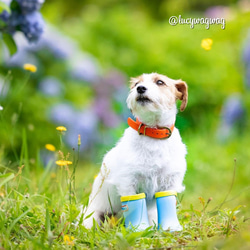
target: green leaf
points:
(10, 43)
(15, 221)
(4, 6)
(88, 216)
(6, 178)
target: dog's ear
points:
(182, 93)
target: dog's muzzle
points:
(141, 90)
(142, 98)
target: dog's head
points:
(154, 95)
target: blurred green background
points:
(84, 60)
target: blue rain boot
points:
(166, 207)
(135, 211)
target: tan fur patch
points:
(173, 89)
(182, 93)
(135, 80)
(178, 87)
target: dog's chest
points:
(144, 163)
(151, 164)
(151, 155)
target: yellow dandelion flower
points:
(68, 240)
(206, 43)
(113, 221)
(50, 147)
(61, 128)
(63, 163)
(30, 67)
(95, 176)
(60, 163)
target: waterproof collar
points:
(142, 129)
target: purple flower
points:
(4, 16)
(246, 54)
(232, 117)
(63, 113)
(248, 76)
(51, 86)
(232, 109)
(115, 78)
(60, 46)
(85, 69)
(104, 112)
(22, 56)
(219, 12)
(246, 50)
(28, 6)
(32, 26)
(14, 22)
(85, 124)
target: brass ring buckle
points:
(169, 132)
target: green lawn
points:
(37, 212)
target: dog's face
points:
(155, 93)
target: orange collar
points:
(142, 129)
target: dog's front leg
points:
(126, 186)
(173, 182)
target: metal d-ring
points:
(144, 130)
(139, 128)
(169, 132)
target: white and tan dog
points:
(139, 163)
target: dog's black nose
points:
(141, 89)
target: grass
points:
(39, 206)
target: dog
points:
(142, 163)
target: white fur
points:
(140, 164)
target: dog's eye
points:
(160, 82)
